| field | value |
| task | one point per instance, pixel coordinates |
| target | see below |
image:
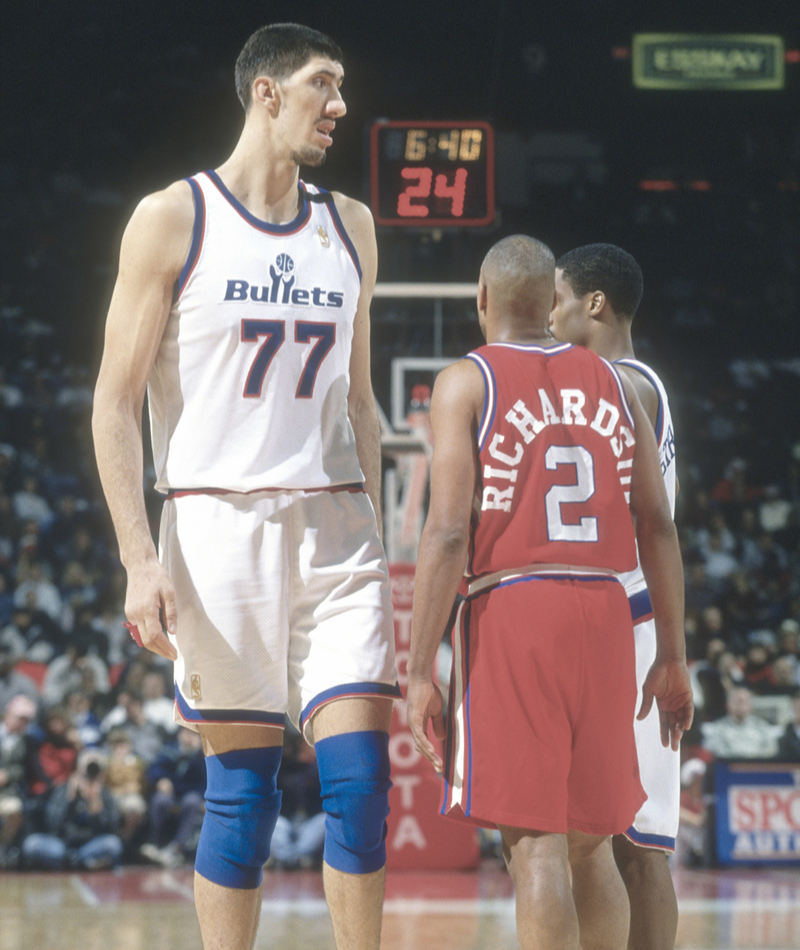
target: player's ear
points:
(266, 94)
(482, 297)
(597, 303)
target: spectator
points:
(37, 592)
(17, 768)
(708, 688)
(84, 719)
(146, 738)
(125, 779)
(57, 754)
(178, 779)
(6, 600)
(789, 742)
(789, 638)
(740, 734)
(33, 634)
(784, 677)
(29, 505)
(75, 669)
(718, 561)
(12, 682)
(758, 662)
(158, 706)
(693, 829)
(81, 820)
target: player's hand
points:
(425, 704)
(668, 683)
(151, 596)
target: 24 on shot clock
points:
(432, 174)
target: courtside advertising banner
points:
(757, 813)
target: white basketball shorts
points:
(284, 604)
(656, 822)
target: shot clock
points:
(432, 174)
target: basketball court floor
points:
(151, 909)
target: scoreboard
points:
(432, 174)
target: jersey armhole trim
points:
(639, 367)
(489, 399)
(198, 232)
(330, 204)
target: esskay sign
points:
(757, 812)
(707, 61)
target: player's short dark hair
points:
(608, 268)
(278, 51)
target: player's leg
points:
(537, 863)
(242, 805)
(351, 738)
(601, 901)
(644, 870)
(654, 906)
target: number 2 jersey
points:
(249, 387)
(555, 445)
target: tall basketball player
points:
(242, 306)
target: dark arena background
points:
(671, 129)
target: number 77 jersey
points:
(555, 446)
(249, 387)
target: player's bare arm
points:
(660, 557)
(362, 410)
(455, 407)
(154, 248)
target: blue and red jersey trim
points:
(641, 607)
(277, 230)
(354, 488)
(210, 717)
(343, 235)
(198, 234)
(349, 691)
(657, 842)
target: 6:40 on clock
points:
(432, 174)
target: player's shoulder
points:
(644, 381)
(355, 215)
(168, 211)
(460, 383)
(160, 228)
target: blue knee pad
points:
(354, 778)
(242, 806)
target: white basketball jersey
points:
(249, 386)
(665, 437)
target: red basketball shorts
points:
(540, 719)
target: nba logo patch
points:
(197, 694)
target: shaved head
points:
(519, 274)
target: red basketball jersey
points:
(555, 448)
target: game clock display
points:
(432, 174)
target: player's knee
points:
(354, 777)
(242, 806)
